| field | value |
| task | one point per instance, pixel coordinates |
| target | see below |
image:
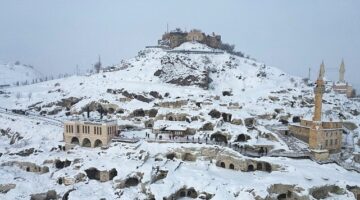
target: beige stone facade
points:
(89, 133)
(195, 35)
(343, 88)
(320, 135)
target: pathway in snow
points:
(45, 119)
(246, 151)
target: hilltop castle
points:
(321, 132)
(175, 38)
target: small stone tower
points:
(342, 72)
(319, 91)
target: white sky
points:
(55, 36)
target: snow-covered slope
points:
(10, 74)
(203, 81)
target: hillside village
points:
(188, 118)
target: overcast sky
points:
(55, 36)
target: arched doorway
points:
(250, 168)
(222, 164)
(258, 166)
(98, 143)
(86, 143)
(242, 138)
(267, 167)
(171, 118)
(219, 137)
(182, 193)
(282, 197)
(75, 140)
(231, 166)
(149, 125)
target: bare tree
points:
(29, 95)
(18, 95)
(97, 66)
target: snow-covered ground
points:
(12, 73)
(255, 91)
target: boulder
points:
(207, 127)
(237, 122)
(138, 113)
(155, 94)
(215, 114)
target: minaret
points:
(319, 91)
(342, 72)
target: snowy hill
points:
(13, 73)
(218, 94)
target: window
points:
(94, 130)
(100, 130)
(326, 143)
(78, 128)
(336, 141)
(331, 142)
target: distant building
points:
(319, 132)
(177, 37)
(341, 86)
(89, 133)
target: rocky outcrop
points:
(285, 192)
(324, 191)
(138, 113)
(49, 195)
(68, 102)
(4, 188)
(215, 114)
(28, 166)
(189, 193)
(237, 122)
(152, 112)
(155, 94)
(249, 122)
(207, 127)
(61, 164)
(102, 176)
(130, 181)
(158, 174)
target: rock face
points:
(131, 181)
(324, 191)
(61, 164)
(102, 176)
(189, 193)
(68, 102)
(28, 166)
(245, 165)
(138, 113)
(215, 114)
(285, 192)
(49, 195)
(158, 174)
(4, 188)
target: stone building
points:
(321, 132)
(341, 86)
(177, 37)
(90, 133)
